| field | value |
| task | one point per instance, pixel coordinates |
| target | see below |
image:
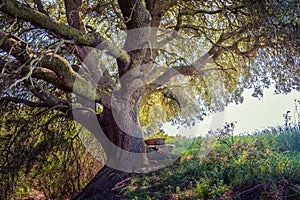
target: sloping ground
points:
(264, 166)
(267, 190)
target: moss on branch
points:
(20, 11)
(52, 68)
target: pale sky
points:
(253, 114)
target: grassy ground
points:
(261, 166)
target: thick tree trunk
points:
(101, 185)
(118, 147)
(122, 138)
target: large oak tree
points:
(99, 60)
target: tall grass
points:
(264, 165)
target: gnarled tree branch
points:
(53, 68)
(20, 11)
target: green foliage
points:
(158, 107)
(41, 151)
(251, 167)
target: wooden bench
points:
(155, 141)
(159, 144)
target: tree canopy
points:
(132, 63)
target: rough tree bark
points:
(101, 185)
(136, 16)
